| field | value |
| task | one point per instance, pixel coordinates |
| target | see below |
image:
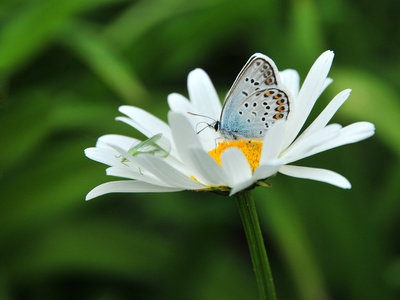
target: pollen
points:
(252, 151)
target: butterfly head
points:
(216, 125)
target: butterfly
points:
(256, 101)
(157, 145)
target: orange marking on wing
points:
(281, 108)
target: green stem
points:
(258, 254)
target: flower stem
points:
(258, 254)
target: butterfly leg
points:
(252, 144)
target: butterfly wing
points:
(256, 100)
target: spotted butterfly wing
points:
(256, 100)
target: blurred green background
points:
(65, 68)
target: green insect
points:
(157, 145)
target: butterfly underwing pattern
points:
(255, 102)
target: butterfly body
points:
(256, 100)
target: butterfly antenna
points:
(193, 114)
(208, 125)
(251, 144)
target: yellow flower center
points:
(252, 151)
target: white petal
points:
(121, 153)
(121, 144)
(308, 95)
(176, 163)
(350, 134)
(327, 82)
(179, 103)
(239, 187)
(290, 78)
(134, 173)
(127, 186)
(122, 141)
(199, 120)
(106, 156)
(303, 148)
(207, 167)
(316, 174)
(145, 122)
(272, 142)
(185, 134)
(326, 115)
(186, 140)
(124, 172)
(133, 163)
(236, 167)
(151, 132)
(166, 173)
(202, 94)
(267, 169)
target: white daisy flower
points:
(195, 163)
